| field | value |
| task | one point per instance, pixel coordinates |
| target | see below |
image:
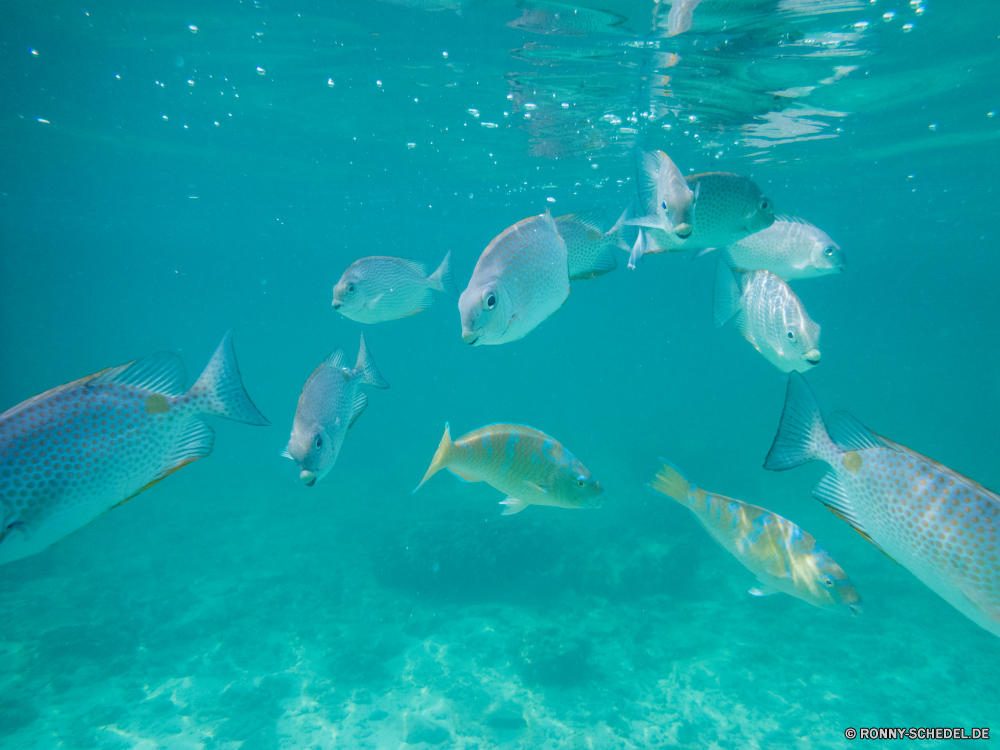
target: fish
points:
(713, 209)
(791, 249)
(559, 19)
(941, 526)
(521, 278)
(588, 247)
(76, 451)
(782, 556)
(769, 316)
(531, 467)
(380, 288)
(330, 404)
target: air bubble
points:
(444, 54)
(194, 29)
(473, 112)
(260, 71)
(907, 26)
(530, 106)
(932, 126)
(329, 82)
(190, 82)
(889, 16)
(378, 82)
(565, 105)
(411, 145)
(550, 199)
(488, 124)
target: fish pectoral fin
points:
(464, 477)
(370, 304)
(534, 486)
(286, 454)
(195, 441)
(764, 590)
(513, 506)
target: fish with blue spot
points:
(782, 556)
(532, 468)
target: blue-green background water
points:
(230, 604)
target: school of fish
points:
(78, 450)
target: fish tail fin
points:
(671, 482)
(219, 389)
(365, 368)
(440, 459)
(802, 433)
(443, 280)
(513, 506)
(726, 299)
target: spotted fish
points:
(74, 452)
(769, 316)
(381, 288)
(722, 208)
(790, 248)
(939, 525)
(521, 278)
(330, 404)
(528, 465)
(782, 556)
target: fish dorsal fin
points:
(588, 219)
(850, 434)
(415, 266)
(360, 402)
(338, 359)
(793, 220)
(648, 168)
(162, 372)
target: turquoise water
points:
(147, 207)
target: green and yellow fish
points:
(528, 465)
(782, 556)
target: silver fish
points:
(79, 450)
(941, 526)
(715, 209)
(381, 288)
(782, 556)
(520, 279)
(790, 248)
(330, 404)
(769, 316)
(530, 466)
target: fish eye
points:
(791, 336)
(663, 205)
(319, 441)
(827, 581)
(350, 288)
(489, 299)
(828, 251)
(763, 204)
(581, 483)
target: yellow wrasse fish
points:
(942, 527)
(782, 556)
(528, 465)
(76, 451)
